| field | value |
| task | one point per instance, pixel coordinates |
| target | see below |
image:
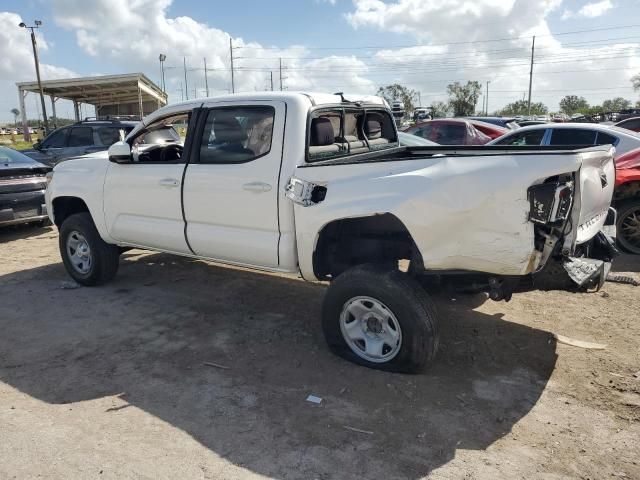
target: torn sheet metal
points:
(586, 271)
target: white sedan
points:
(572, 134)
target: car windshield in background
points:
(9, 156)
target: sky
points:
(589, 48)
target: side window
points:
(57, 139)
(632, 124)
(160, 141)
(606, 139)
(109, 135)
(237, 135)
(572, 136)
(424, 132)
(524, 138)
(80, 137)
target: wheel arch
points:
(64, 206)
(380, 238)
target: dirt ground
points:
(110, 382)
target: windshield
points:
(9, 156)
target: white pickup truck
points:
(317, 184)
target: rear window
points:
(339, 132)
(529, 138)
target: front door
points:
(231, 186)
(142, 200)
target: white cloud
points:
(17, 63)
(133, 34)
(595, 9)
(589, 10)
(453, 35)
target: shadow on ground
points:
(147, 334)
(17, 232)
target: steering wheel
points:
(171, 153)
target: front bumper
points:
(22, 207)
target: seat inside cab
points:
(349, 131)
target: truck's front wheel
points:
(89, 260)
(380, 318)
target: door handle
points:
(257, 187)
(169, 182)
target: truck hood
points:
(83, 160)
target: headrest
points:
(373, 129)
(227, 129)
(321, 132)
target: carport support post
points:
(76, 110)
(23, 110)
(140, 102)
(53, 111)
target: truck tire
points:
(628, 226)
(380, 318)
(89, 260)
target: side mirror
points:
(120, 152)
(37, 145)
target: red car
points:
(457, 131)
(632, 123)
(626, 200)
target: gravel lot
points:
(110, 382)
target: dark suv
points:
(78, 139)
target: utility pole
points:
(186, 84)
(233, 85)
(206, 81)
(486, 99)
(37, 62)
(271, 75)
(280, 73)
(533, 49)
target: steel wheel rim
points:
(79, 252)
(629, 229)
(370, 329)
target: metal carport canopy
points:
(99, 91)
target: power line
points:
(617, 27)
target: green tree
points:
(615, 104)
(398, 93)
(463, 98)
(15, 112)
(572, 104)
(635, 80)
(440, 109)
(521, 107)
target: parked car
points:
(79, 139)
(408, 140)
(450, 131)
(627, 200)
(315, 185)
(504, 122)
(491, 130)
(632, 124)
(572, 134)
(22, 187)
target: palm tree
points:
(15, 113)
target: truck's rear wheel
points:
(628, 227)
(380, 318)
(89, 260)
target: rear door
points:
(231, 186)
